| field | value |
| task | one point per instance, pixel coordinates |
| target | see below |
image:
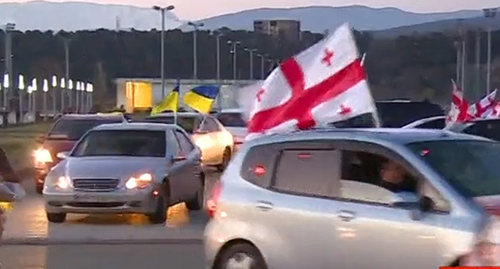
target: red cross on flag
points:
(325, 83)
(484, 107)
(459, 106)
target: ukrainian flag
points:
(201, 98)
(171, 102)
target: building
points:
(287, 29)
(136, 94)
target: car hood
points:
(56, 146)
(113, 167)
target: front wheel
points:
(159, 216)
(241, 256)
(56, 217)
(226, 157)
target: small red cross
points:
(344, 110)
(259, 95)
(327, 57)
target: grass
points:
(18, 142)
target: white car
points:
(234, 122)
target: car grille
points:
(95, 184)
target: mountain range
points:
(74, 16)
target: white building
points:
(143, 93)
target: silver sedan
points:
(126, 168)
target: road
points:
(101, 241)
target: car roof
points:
(92, 116)
(231, 110)
(137, 126)
(395, 136)
(179, 114)
(422, 121)
(461, 126)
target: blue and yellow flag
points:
(171, 102)
(201, 98)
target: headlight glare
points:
(42, 156)
(63, 182)
(139, 182)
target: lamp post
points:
(77, 96)
(234, 45)
(29, 90)
(66, 42)
(45, 89)
(21, 87)
(9, 27)
(263, 58)
(489, 14)
(34, 88)
(63, 86)
(162, 11)
(196, 26)
(6, 85)
(54, 98)
(251, 52)
(90, 90)
(217, 47)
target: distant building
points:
(287, 29)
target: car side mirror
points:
(40, 138)
(62, 155)
(413, 202)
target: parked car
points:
(216, 143)
(437, 122)
(63, 135)
(488, 128)
(394, 114)
(317, 199)
(234, 122)
(126, 168)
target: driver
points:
(394, 177)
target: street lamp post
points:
(45, 89)
(70, 92)
(251, 52)
(6, 85)
(34, 88)
(54, 97)
(234, 45)
(163, 10)
(196, 26)
(263, 58)
(66, 42)
(21, 87)
(489, 14)
(63, 86)
(90, 90)
(9, 27)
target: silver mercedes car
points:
(126, 168)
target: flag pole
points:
(178, 99)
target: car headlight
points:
(63, 182)
(140, 182)
(42, 156)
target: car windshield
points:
(231, 120)
(74, 129)
(470, 166)
(138, 143)
(189, 124)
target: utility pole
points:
(489, 14)
(66, 42)
(234, 45)
(251, 52)
(8, 91)
(478, 61)
(162, 11)
(196, 26)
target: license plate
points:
(91, 198)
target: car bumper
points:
(118, 201)
(213, 240)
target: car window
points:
(188, 123)
(231, 119)
(469, 166)
(138, 143)
(209, 125)
(487, 129)
(372, 178)
(308, 172)
(185, 145)
(74, 129)
(399, 114)
(433, 124)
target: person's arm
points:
(6, 171)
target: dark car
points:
(63, 135)
(395, 114)
(488, 128)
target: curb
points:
(96, 241)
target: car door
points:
(190, 167)
(221, 138)
(385, 235)
(297, 210)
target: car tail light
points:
(214, 199)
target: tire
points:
(56, 217)
(159, 216)
(198, 202)
(226, 157)
(238, 252)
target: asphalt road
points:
(133, 256)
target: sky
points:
(209, 8)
